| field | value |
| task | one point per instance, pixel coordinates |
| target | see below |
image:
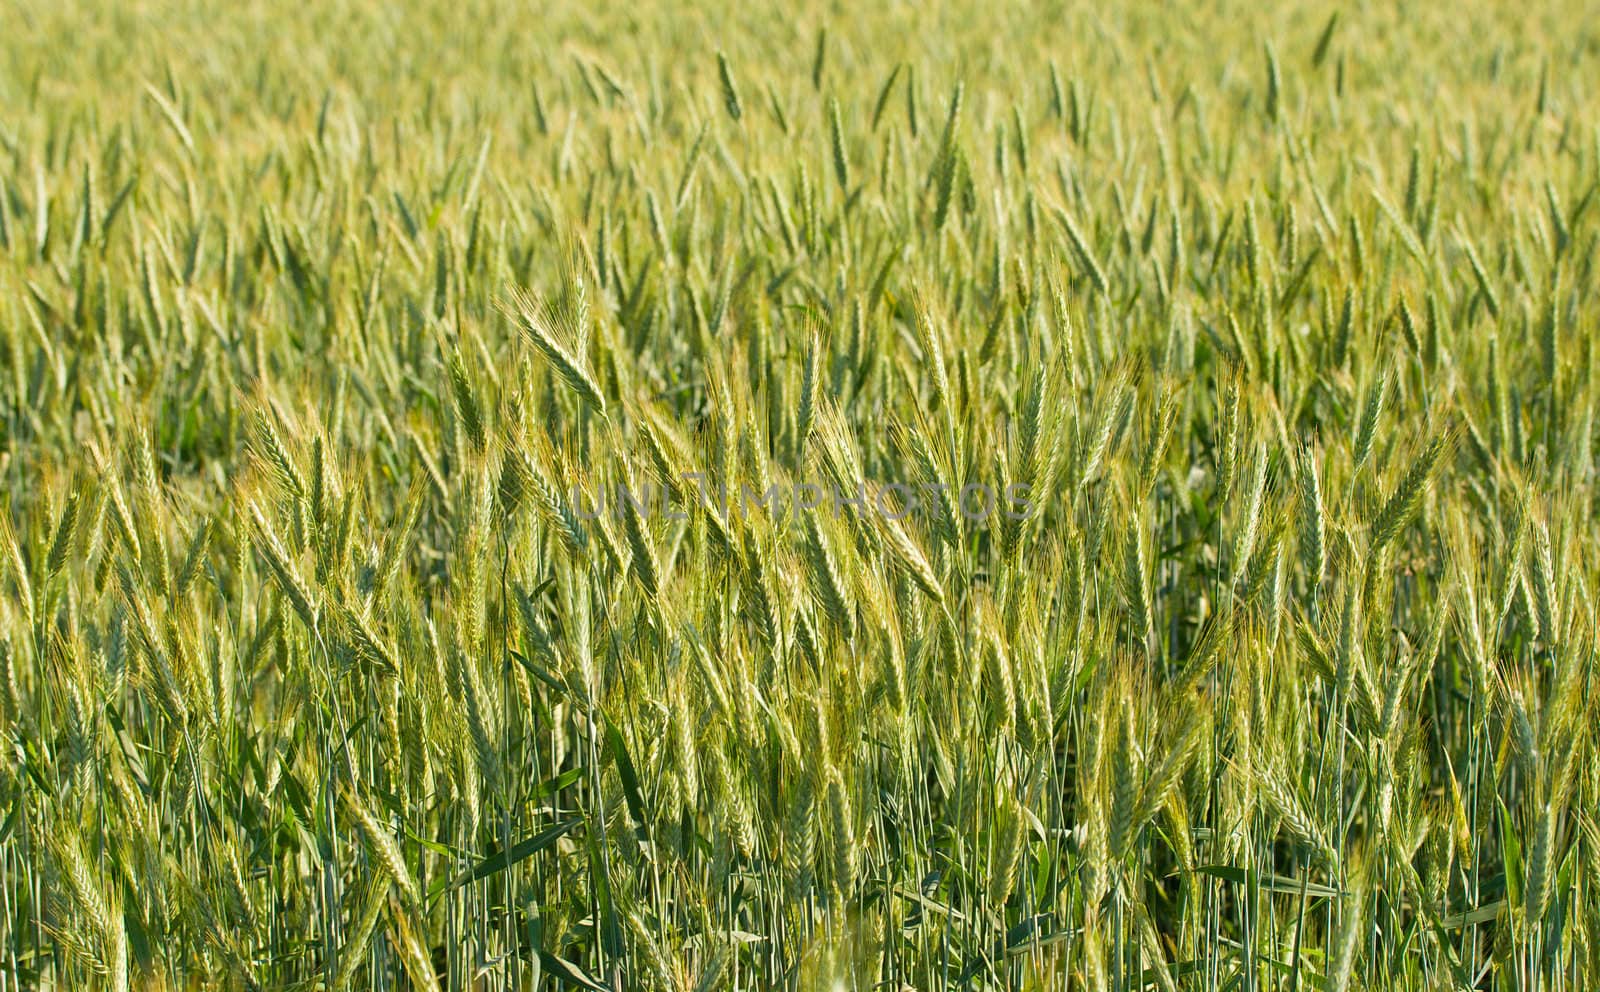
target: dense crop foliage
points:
(650, 498)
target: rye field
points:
(844, 498)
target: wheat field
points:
(631, 497)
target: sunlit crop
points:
(884, 497)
